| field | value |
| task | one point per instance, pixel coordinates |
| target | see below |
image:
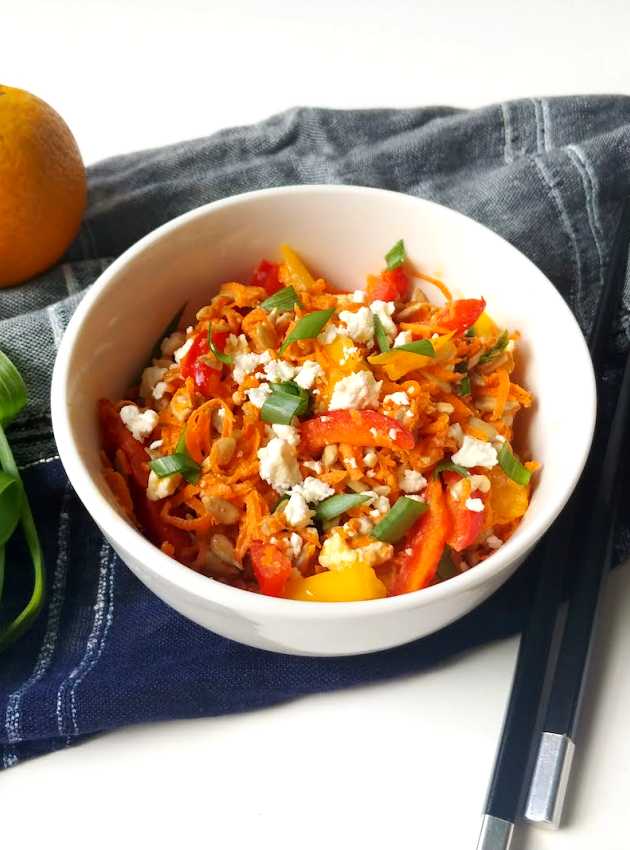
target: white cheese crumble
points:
(159, 389)
(403, 338)
(245, 364)
(287, 433)
(412, 481)
(474, 505)
(357, 391)
(315, 466)
(358, 296)
(151, 376)
(348, 353)
(296, 511)
(359, 325)
(156, 444)
(278, 465)
(308, 373)
(278, 371)
(456, 433)
(336, 554)
(183, 350)
(384, 310)
(329, 334)
(475, 452)
(400, 398)
(139, 424)
(295, 543)
(259, 395)
(313, 490)
(159, 488)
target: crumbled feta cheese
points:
(336, 553)
(384, 310)
(287, 433)
(259, 395)
(444, 407)
(315, 466)
(295, 542)
(150, 377)
(479, 482)
(357, 391)
(218, 417)
(159, 488)
(365, 526)
(314, 490)
(399, 398)
(474, 505)
(379, 502)
(348, 353)
(499, 439)
(278, 465)
(171, 343)
(156, 444)
(475, 452)
(309, 371)
(183, 350)
(296, 511)
(139, 424)
(159, 389)
(456, 433)
(329, 334)
(412, 481)
(358, 296)
(245, 364)
(494, 542)
(403, 338)
(359, 325)
(278, 371)
(370, 458)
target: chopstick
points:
(540, 639)
(557, 741)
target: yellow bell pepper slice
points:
(344, 354)
(351, 584)
(485, 326)
(298, 275)
(398, 363)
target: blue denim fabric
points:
(548, 175)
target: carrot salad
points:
(305, 442)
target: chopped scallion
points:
(512, 466)
(497, 348)
(420, 346)
(220, 355)
(397, 522)
(308, 327)
(449, 466)
(280, 408)
(379, 335)
(338, 504)
(180, 462)
(283, 300)
(396, 255)
(464, 388)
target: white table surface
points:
(403, 764)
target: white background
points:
(401, 765)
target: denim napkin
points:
(547, 174)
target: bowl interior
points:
(342, 234)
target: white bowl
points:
(342, 233)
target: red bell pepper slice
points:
(272, 567)
(465, 525)
(356, 428)
(116, 436)
(460, 315)
(266, 275)
(393, 285)
(207, 379)
(419, 555)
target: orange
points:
(43, 188)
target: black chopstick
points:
(539, 641)
(557, 741)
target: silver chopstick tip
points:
(496, 833)
(550, 779)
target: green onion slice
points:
(464, 388)
(449, 466)
(396, 255)
(280, 408)
(13, 398)
(470, 331)
(420, 346)
(380, 335)
(283, 300)
(292, 389)
(446, 568)
(512, 466)
(497, 348)
(168, 330)
(397, 522)
(180, 462)
(338, 504)
(220, 355)
(308, 327)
